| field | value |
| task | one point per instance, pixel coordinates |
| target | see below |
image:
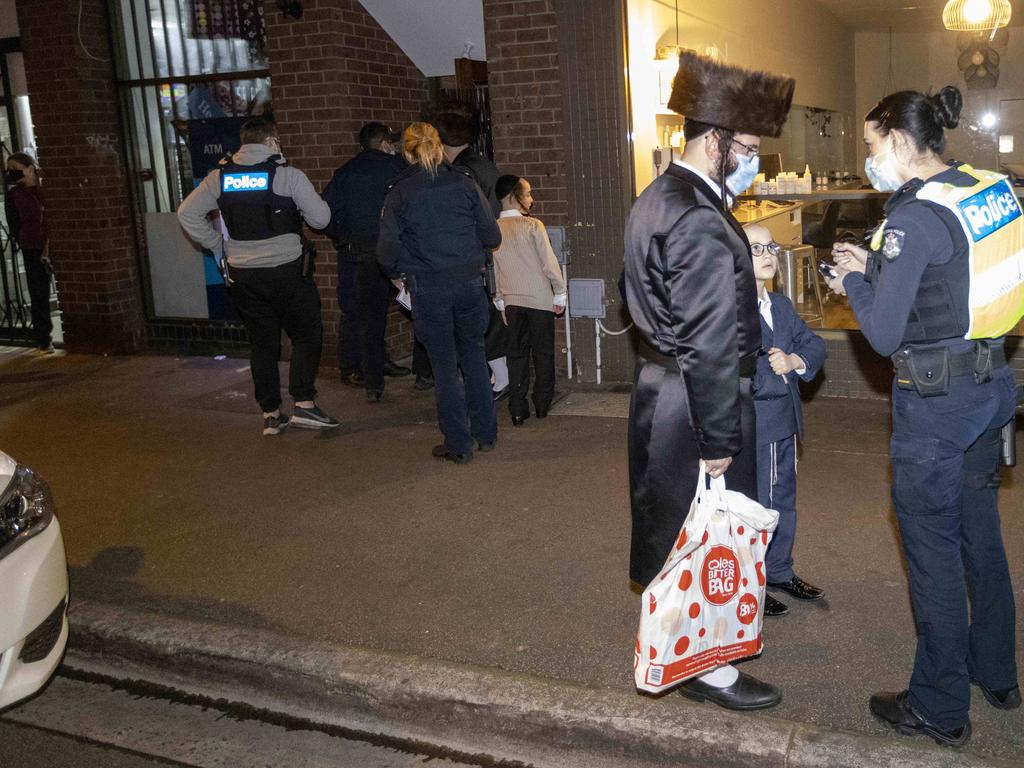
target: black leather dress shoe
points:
(745, 694)
(773, 607)
(517, 421)
(541, 414)
(501, 394)
(1000, 698)
(895, 709)
(798, 588)
(442, 453)
(395, 371)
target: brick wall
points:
(332, 71)
(526, 97)
(75, 111)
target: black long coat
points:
(690, 289)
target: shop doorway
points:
(16, 135)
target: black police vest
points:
(249, 206)
(940, 308)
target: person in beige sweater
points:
(530, 293)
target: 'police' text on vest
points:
(989, 210)
(245, 182)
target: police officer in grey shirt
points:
(263, 201)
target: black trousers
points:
(363, 298)
(531, 335)
(496, 339)
(270, 300)
(420, 359)
(38, 277)
(664, 464)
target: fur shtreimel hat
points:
(729, 97)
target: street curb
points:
(471, 709)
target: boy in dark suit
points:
(790, 351)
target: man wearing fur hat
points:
(690, 288)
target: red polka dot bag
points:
(706, 606)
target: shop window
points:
(190, 72)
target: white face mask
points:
(882, 173)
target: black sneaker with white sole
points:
(273, 425)
(313, 418)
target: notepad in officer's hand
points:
(404, 299)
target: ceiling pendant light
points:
(976, 15)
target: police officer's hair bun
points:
(947, 103)
(421, 145)
(920, 118)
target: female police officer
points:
(939, 292)
(434, 232)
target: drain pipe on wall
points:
(568, 325)
(598, 329)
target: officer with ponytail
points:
(937, 291)
(435, 230)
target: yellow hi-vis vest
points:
(991, 218)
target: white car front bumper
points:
(33, 614)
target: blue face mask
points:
(739, 181)
(882, 175)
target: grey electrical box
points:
(586, 297)
(556, 236)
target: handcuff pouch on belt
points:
(923, 369)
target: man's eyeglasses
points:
(751, 150)
(758, 249)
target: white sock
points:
(722, 677)
(499, 368)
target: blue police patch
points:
(892, 243)
(257, 181)
(989, 210)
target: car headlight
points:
(26, 508)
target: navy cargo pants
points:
(945, 458)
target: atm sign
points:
(245, 182)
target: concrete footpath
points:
(352, 572)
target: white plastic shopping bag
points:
(706, 606)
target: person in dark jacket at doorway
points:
(459, 131)
(434, 231)
(26, 218)
(355, 195)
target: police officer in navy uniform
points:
(689, 285)
(355, 195)
(263, 201)
(951, 395)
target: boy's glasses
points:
(758, 249)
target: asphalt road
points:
(170, 501)
(82, 725)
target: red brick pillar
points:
(525, 86)
(332, 71)
(85, 181)
(526, 99)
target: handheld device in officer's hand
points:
(828, 271)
